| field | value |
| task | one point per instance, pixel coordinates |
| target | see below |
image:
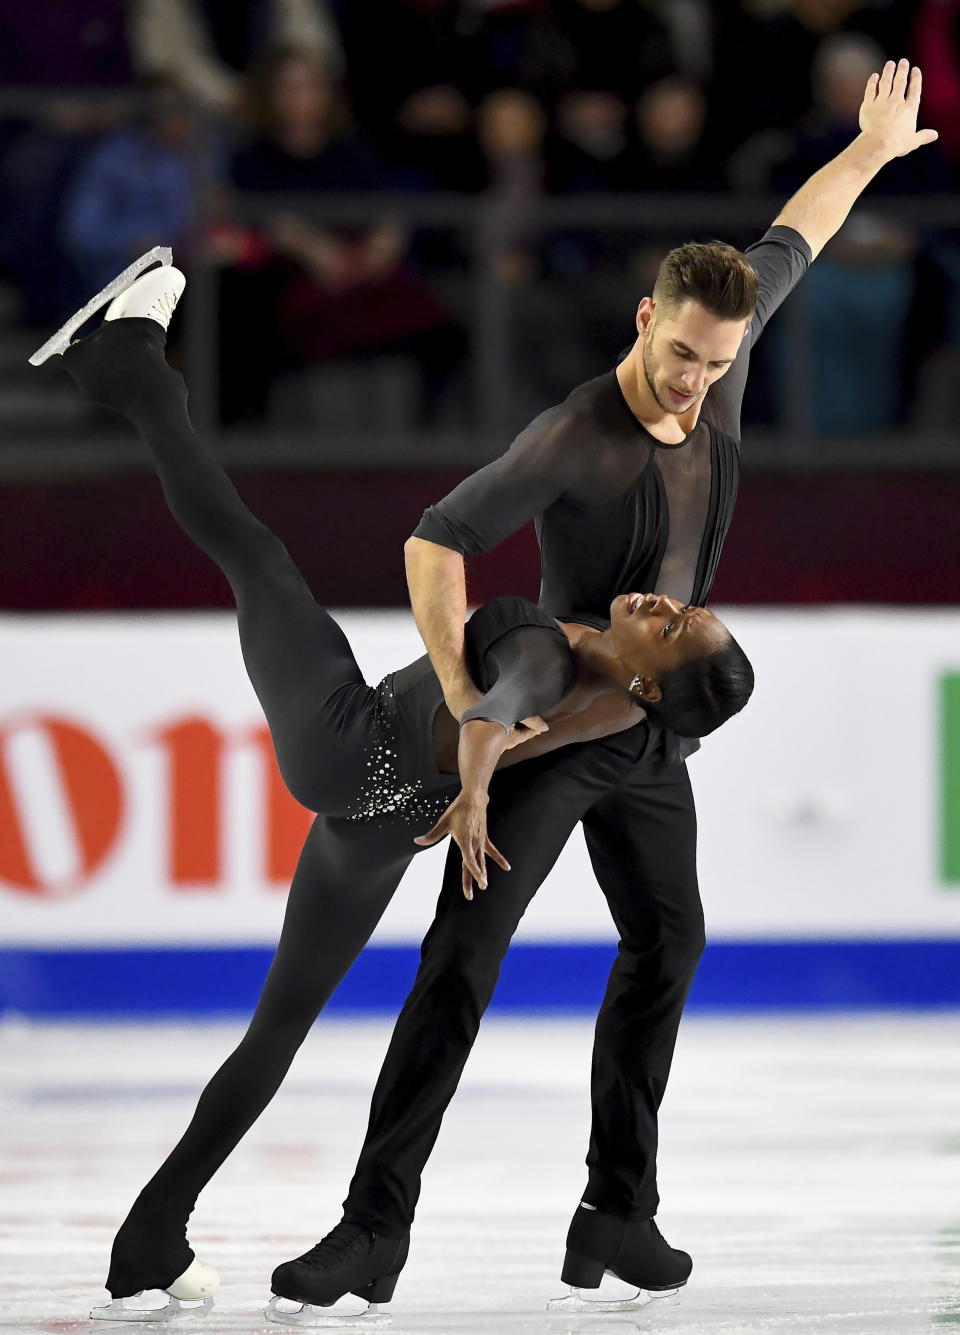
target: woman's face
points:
(654, 634)
(301, 94)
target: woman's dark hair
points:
(703, 693)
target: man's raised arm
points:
(888, 130)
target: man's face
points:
(685, 349)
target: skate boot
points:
(351, 1259)
(120, 361)
(142, 1264)
(631, 1250)
(122, 364)
(190, 1294)
(120, 286)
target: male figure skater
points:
(631, 482)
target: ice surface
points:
(811, 1166)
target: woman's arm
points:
(484, 747)
(603, 717)
(530, 669)
(482, 743)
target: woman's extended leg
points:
(345, 878)
(297, 657)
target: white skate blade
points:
(60, 341)
(305, 1315)
(171, 1310)
(594, 1301)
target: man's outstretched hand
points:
(890, 108)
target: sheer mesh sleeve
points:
(531, 669)
(498, 500)
(781, 257)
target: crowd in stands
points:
(206, 105)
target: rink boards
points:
(146, 842)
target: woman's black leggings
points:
(311, 689)
(318, 708)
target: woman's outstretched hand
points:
(525, 731)
(465, 820)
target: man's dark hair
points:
(716, 275)
(703, 693)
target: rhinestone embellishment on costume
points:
(384, 796)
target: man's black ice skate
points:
(632, 1250)
(351, 1259)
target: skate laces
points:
(165, 305)
(343, 1241)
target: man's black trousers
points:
(638, 818)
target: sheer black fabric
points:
(520, 657)
(615, 510)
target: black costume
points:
(615, 512)
(362, 756)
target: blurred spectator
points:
(63, 43)
(614, 45)
(132, 192)
(859, 294)
(208, 46)
(412, 45)
(764, 61)
(431, 145)
(936, 49)
(511, 127)
(36, 174)
(301, 141)
(512, 98)
(691, 28)
(841, 68)
(591, 141)
(672, 151)
(511, 133)
(337, 291)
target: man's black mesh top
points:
(615, 510)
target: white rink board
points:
(819, 806)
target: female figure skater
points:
(375, 763)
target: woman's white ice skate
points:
(58, 344)
(190, 1295)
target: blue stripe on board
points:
(551, 977)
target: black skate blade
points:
(60, 341)
(307, 1316)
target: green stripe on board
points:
(950, 778)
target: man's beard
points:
(648, 374)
